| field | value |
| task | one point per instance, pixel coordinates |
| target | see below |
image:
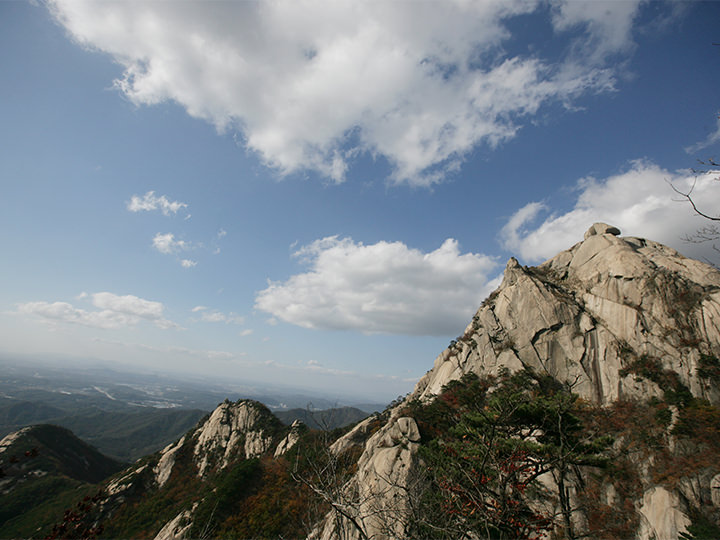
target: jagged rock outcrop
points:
(232, 428)
(377, 503)
(232, 434)
(234, 431)
(167, 459)
(581, 315)
(176, 528)
(661, 515)
(585, 317)
(290, 439)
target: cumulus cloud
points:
(187, 263)
(385, 288)
(150, 201)
(311, 85)
(639, 201)
(167, 244)
(114, 311)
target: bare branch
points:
(688, 197)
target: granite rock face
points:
(167, 459)
(581, 314)
(233, 432)
(290, 439)
(232, 429)
(580, 317)
(376, 494)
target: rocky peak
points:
(233, 429)
(601, 228)
(588, 313)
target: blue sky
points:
(320, 194)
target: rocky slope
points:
(617, 319)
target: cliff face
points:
(616, 319)
(579, 316)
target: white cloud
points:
(151, 202)
(132, 305)
(384, 287)
(221, 354)
(215, 316)
(640, 202)
(246, 332)
(65, 312)
(187, 263)
(220, 234)
(711, 139)
(113, 312)
(175, 350)
(313, 84)
(167, 244)
(607, 25)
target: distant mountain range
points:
(44, 467)
(326, 419)
(128, 415)
(125, 435)
(64, 435)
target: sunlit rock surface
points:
(579, 314)
(231, 428)
(290, 439)
(167, 459)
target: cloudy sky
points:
(321, 194)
